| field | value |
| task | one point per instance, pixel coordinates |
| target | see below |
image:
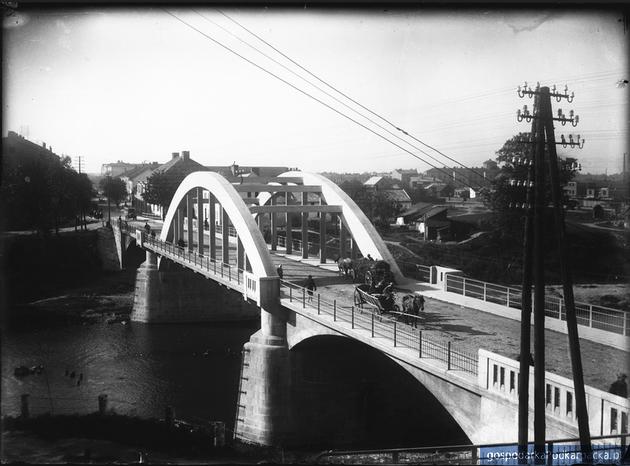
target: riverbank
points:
(112, 438)
(107, 296)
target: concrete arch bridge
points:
(320, 370)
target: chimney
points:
(175, 155)
(186, 155)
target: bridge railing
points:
(606, 449)
(589, 315)
(220, 269)
(379, 326)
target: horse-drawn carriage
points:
(377, 288)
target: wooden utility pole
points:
(544, 151)
(526, 309)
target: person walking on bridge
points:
(310, 287)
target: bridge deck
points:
(470, 329)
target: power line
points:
(313, 84)
(350, 98)
(305, 93)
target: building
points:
(117, 168)
(398, 197)
(429, 220)
(137, 175)
(404, 176)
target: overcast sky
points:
(136, 85)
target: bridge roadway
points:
(467, 328)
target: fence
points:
(398, 333)
(589, 315)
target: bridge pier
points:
(175, 294)
(262, 411)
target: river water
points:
(142, 369)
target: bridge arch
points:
(367, 238)
(360, 396)
(239, 214)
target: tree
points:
(160, 189)
(503, 196)
(114, 188)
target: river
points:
(142, 368)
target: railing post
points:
(229, 273)
(372, 324)
(395, 457)
(507, 298)
(352, 315)
(484, 291)
(624, 325)
(448, 356)
(463, 286)
(290, 294)
(560, 308)
(420, 343)
(24, 411)
(318, 304)
(394, 334)
(335, 310)
(303, 297)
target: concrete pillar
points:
(322, 238)
(342, 237)
(24, 411)
(225, 223)
(266, 382)
(289, 233)
(273, 225)
(240, 254)
(189, 218)
(200, 229)
(102, 404)
(212, 222)
(304, 228)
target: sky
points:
(138, 84)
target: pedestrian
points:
(619, 387)
(370, 258)
(280, 271)
(421, 301)
(147, 228)
(152, 234)
(310, 287)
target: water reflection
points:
(142, 368)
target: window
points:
(495, 371)
(556, 398)
(548, 395)
(624, 422)
(502, 383)
(613, 420)
(569, 403)
(512, 386)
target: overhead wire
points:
(350, 98)
(313, 84)
(304, 92)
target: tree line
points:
(43, 193)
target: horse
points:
(345, 267)
(412, 304)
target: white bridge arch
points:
(240, 216)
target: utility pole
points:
(544, 144)
(79, 160)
